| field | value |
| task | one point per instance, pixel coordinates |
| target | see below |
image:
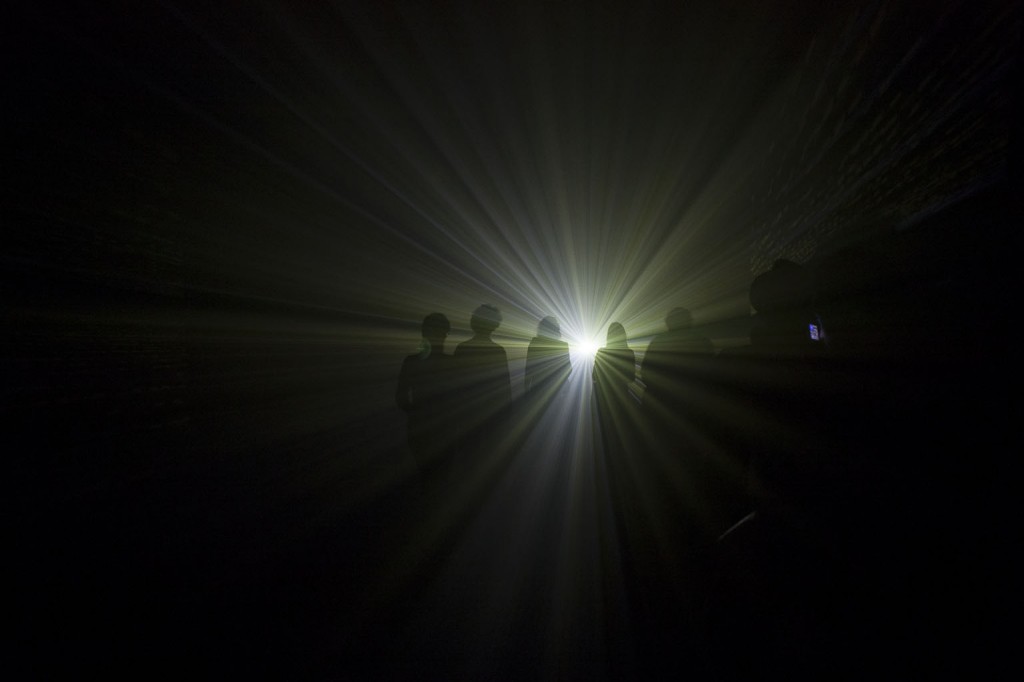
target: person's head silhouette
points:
(549, 329)
(616, 335)
(434, 330)
(678, 318)
(485, 320)
(781, 298)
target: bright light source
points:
(587, 348)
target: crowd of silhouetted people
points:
(460, 403)
(752, 487)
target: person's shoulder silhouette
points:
(615, 363)
(482, 362)
(680, 337)
(485, 387)
(547, 357)
(671, 354)
(425, 387)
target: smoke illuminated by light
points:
(286, 193)
(585, 347)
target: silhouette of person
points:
(614, 372)
(485, 389)
(678, 370)
(424, 393)
(854, 292)
(785, 323)
(665, 364)
(547, 359)
(615, 364)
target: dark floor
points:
(314, 558)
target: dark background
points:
(224, 223)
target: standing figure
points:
(615, 364)
(614, 373)
(426, 384)
(485, 389)
(785, 324)
(668, 361)
(678, 371)
(547, 359)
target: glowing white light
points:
(587, 348)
